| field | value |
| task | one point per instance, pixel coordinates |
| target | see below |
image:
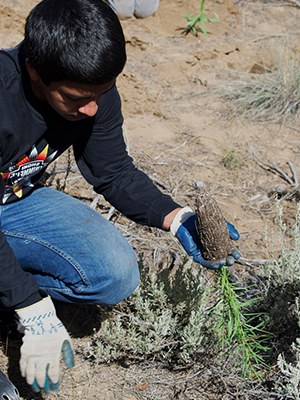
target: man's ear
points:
(33, 74)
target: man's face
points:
(73, 101)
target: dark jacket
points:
(32, 135)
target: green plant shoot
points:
(193, 21)
(239, 327)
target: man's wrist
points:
(169, 218)
(182, 215)
(34, 298)
(44, 307)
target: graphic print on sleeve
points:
(19, 175)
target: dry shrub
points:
(272, 95)
(164, 320)
(284, 310)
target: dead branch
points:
(294, 173)
(293, 181)
(254, 263)
(110, 213)
(94, 203)
(295, 2)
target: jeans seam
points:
(56, 250)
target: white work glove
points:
(45, 338)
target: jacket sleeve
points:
(17, 287)
(104, 162)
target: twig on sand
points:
(255, 262)
(294, 173)
(95, 201)
(295, 2)
(110, 214)
(293, 181)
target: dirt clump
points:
(212, 229)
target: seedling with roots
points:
(240, 328)
(194, 20)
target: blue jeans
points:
(74, 253)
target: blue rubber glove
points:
(184, 229)
(45, 340)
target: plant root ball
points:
(212, 229)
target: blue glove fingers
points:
(235, 254)
(207, 264)
(54, 386)
(68, 354)
(35, 387)
(213, 266)
(230, 261)
(49, 386)
(233, 232)
(46, 387)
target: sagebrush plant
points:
(284, 281)
(241, 329)
(197, 22)
(173, 321)
(272, 95)
(164, 320)
(231, 159)
(281, 286)
(291, 370)
(286, 268)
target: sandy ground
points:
(178, 130)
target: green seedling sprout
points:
(194, 20)
(239, 327)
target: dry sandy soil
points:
(178, 130)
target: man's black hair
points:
(75, 40)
